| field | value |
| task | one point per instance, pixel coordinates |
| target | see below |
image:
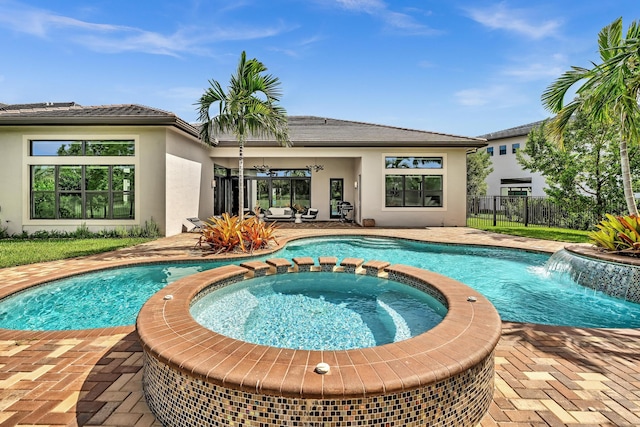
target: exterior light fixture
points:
(262, 168)
(315, 166)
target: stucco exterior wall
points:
(507, 167)
(151, 146)
(453, 211)
(366, 166)
(189, 172)
(11, 195)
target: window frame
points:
(423, 173)
(502, 150)
(78, 160)
(82, 194)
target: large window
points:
(82, 192)
(280, 188)
(82, 148)
(412, 162)
(413, 190)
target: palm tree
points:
(608, 94)
(248, 107)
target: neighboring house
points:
(508, 177)
(64, 165)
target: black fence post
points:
(495, 209)
(526, 211)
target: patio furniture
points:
(310, 214)
(198, 224)
(283, 214)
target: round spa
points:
(409, 370)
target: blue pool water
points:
(516, 282)
(318, 311)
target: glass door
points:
(336, 186)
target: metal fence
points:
(528, 211)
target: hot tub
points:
(196, 377)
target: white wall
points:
(11, 182)
(507, 167)
(150, 164)
(183, 192)
(189, 172)
(349, 163)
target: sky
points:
(463, 67)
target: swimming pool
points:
(515, 281)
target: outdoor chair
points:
(310, 214)
(198, 225)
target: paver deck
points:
(545, 376)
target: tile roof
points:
(304, 131)
(511, 132)
(311, 131)
(70, 113)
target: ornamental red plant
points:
(227, 233)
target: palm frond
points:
(554, 94)
(609, 39)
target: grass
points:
(546, 233)
(21, 252)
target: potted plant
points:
(299, 211)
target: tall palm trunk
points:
(626, 179)
(241, 178)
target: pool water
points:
(95, 300)
(516, 282)
(318, 311)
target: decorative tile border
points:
(195, 377)
(615, 275)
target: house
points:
(64, 165)
(508, 177)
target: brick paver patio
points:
(545, 376)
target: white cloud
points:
(367, 6)
(118, 38)
(500, 17)
(530, 69)
(535, 71)
(498, 96)
(394, 20)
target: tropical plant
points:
(618, 233)
(608, 94)
(583, 177)
(258, 234)
(229, 233)
(478, 168)
(249, 106)
(223, 233)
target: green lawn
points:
(557, 234)
(19, 252)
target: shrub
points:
(227, 233)
(149, 230)
(618, 233)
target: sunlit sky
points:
(455, 66)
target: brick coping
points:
(595, 253)
(466, 336)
